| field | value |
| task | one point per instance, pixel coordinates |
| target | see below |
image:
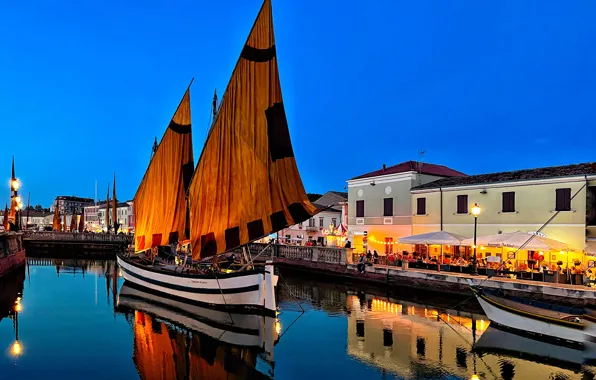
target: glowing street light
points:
(475, 211)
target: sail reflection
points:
(174, 340)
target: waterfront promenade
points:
(338, 262)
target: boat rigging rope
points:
(223, 297)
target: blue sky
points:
(481, 87)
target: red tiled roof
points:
(412, 166)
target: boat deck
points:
(552, 311)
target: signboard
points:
(537, 234)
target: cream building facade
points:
(523, 200)
(380, 203)
(315, 228)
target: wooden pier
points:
(74, 245)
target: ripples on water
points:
(62, 319)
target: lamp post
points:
(475, 212)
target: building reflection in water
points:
(416, 341)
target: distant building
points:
(380, 203)
(37, 219)
(317, 227)
(70, 204)
(95, 216)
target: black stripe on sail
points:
(179, 128)
(278, 221)
(258, 55)
(208, 245)
(280, 145)
(232, 238)
(255, 229)
(298, 213)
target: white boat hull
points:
(250, 290)
(590, 339)
(515, 321)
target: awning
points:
(516, 240)
(439, 237)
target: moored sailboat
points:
(246, 185)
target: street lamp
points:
(475, 212)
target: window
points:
(388, 207)
(321, 222)
(334, 222)
(421, 206)
(388, 246)
(508, 201)
(311, 222)
(563, 200)
(462, 204)
(359, 209)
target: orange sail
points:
(56, 220)
(160, 209)
(73, 222)
(82, 221)
(246, 184)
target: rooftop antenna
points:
(419, 169)
(95, 198)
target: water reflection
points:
(75, 319)
(413, 340)
(11, 292)
(175, 340)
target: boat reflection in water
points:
(174, 340)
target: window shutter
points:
(462, 204)
(563, 200)
(388, 207)
(508, 201)
(421, 206)
(360, 209)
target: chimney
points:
(384, 167)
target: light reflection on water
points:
(70, 326)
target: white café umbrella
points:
(516, 240)
(438, 237)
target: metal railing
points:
(73, 236)
(298, 253)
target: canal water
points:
(74, 319)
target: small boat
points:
(534, 318)
(12, 252)
(246, 185)
(176, 340)
(590, 335)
